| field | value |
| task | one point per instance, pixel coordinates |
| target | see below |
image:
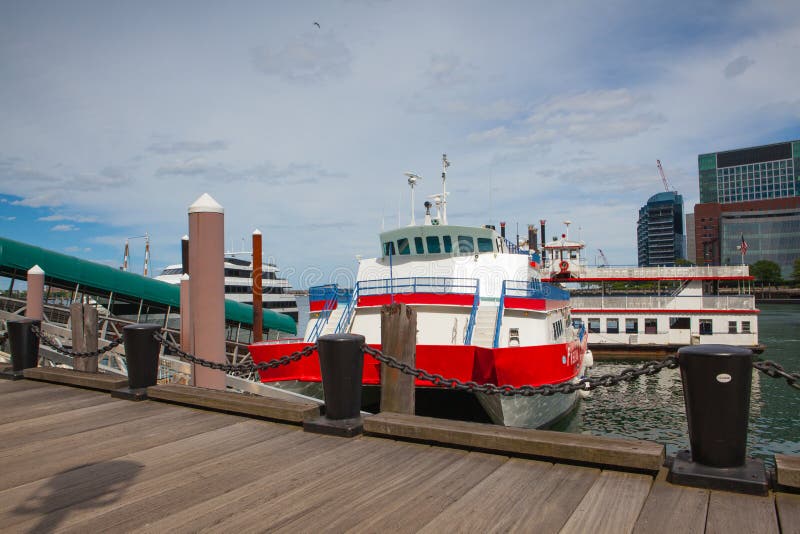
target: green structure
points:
(757, 173)
(123, 293)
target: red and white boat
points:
(654, 310)
(483, 315)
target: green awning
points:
(16, 257)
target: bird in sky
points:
(317, 25)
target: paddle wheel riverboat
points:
(654, 310)
(483, 315)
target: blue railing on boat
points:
(499, 320)
(534, 289)
(432, 284)
(329, 293)
(347, 314)
(473, 314)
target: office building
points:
(691, 253)
(659, 230)
(751, 193)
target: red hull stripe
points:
(516, 366)
(624, 311)
(520, 303)
(319, 305)
(441, 299)
(648, 279)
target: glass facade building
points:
(757, 173)
(659, 231)
(751, 193)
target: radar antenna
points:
(413, 179)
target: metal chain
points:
(586, 383)
(69, 352)
(775, 370)
(241, 367)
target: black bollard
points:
(341, 362)
(716, 391)
(24, 346)
(141, 353)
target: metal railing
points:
(347, 313)
(419, 284)
(331, 292)
(473, 314)
(499, 320)
(705, 302)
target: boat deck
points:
(79, 460)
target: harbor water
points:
(652, 407)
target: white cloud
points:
(64, 228)
(51, 198)
(8, 218)
(308, 58)
(176, 147)
(74, 218)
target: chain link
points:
(241, 367)
(69, 352)
(586, 383)
(775, 370)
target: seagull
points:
(317, 25)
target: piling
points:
(186, 322)
(34, 301)
(258, 314)
(83, 317)
(398, 339)
(185, 254)
(207, 288)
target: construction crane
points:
(603, 256)
(667, 186)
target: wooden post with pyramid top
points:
(34, 300)
(207, 288)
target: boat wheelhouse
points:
(483, 315)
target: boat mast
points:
(445, 164)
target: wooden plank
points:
(12, 386)
(611, 505)
(197, 504)
(35, 402)
(788, 512)
(160, 488)
(517, 496)
(71, 377)
(788, 470)
(672, 508)
(430, 495)
(733, 512)
(597, 450)
(267, 407)
(107, 443)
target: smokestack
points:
(531, 237)
(503, 229)
(185, 254)
(541, 223)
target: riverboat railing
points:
(329, 292)
(473, 314)
(639, 302)
(347, 313)
(419, 284)
(499, 320)
(651, 273)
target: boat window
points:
(433, 244)
(594, 325)
(448, 243)
(402, 247)
(650, 326)
(612, 326)
(577, 323)
(631, 326)
(732, 327)
(745, 327)
(706, 327)
(418, 245)
(679, 323)
(388, 248)
(485, 244)
(466, 245)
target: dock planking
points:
(80, 461)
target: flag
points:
(743, 246)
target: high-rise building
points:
(691, 254)
(751, 194)
(659, 230)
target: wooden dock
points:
(79, 460)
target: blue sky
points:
(116, 116)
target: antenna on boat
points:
(413, 178)
(566, 234)
(445, 164)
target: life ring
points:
(563, 266)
